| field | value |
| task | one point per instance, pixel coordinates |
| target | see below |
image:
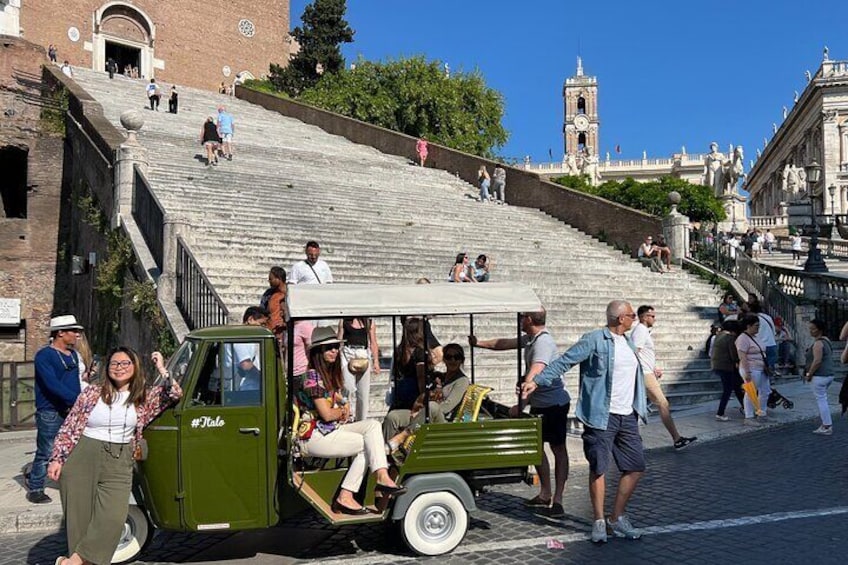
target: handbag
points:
(140, 450)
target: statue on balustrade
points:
(571, 168)
(733, 170)
(590, 167)
(714, 169)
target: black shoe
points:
(391, 491)
(230, 157)
(683, 442)
(38, 497)
(555, 511)
(339, 509)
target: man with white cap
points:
(57, 386)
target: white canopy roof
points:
(373, 300)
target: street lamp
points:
(814, 263)
(832, 191)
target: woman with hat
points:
(94, 452)
(326, 429)
(360, 358)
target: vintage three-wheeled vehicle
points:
(224, 457)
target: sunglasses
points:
(453, 358)
(330, 347)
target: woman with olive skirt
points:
(93, 454)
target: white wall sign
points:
(10, 311)
(227, 71)
(73, 34)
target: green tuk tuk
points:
(224, 458)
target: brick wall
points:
(194, 38)
(28, 246)
(612, 222)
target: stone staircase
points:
(380, 219)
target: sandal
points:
(537, 502)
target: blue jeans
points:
(771, 356)
(484, 190)
(47, 423)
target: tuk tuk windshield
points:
(180, 361)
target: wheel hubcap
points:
(436, 523)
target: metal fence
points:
(197, 300)
(17, 394)
(149, 216)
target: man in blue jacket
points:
(611, 401)
(57, 385)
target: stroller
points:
(776, 398)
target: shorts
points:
(554, 423)
(226, 137)
(621, 439)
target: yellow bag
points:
(751, 390)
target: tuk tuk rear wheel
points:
(137, 533)
(435, 523)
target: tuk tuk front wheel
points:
(435, 523)
(137, 532)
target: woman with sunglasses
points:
(94, 452)
(444, 400)
(461, 270)
(326, 429)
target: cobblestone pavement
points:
(773, 497)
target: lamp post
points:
(814, 263)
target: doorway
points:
(13, 182)
(123, 55)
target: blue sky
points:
(670, 73)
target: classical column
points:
(129, 154)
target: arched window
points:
(581, 105)
(581, 142)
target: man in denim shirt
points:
(612, 399)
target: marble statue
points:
(773, 127)
(713, 171)
(759, 153)
(808, 76)
(795, 99)
(590, 167)
(733, 170)
(785, 112)
(791, 179)
(826, 54)
(571, 165)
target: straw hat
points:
(66, 322)
(324, 336)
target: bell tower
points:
(581, 126)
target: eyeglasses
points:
(452, 358)
(120, 364)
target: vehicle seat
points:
(303, 463)
(469, 408)
(468, 411)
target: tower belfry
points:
(581, 125)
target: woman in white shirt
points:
(752, 366)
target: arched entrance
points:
(126, 34)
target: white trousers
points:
(359, 440)
(820, 386)
(359, 390)
(761, 381)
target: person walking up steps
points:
(226, 129)
(645, 351)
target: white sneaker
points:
(599, 531)
(622, 528)
(821, 430)
(722, 418)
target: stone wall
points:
(194, 39)
(28, 248)
(611, 222)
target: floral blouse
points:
(307, 389)
(158, 398)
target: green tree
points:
(696, 201)
(415, 97)
(324, 30)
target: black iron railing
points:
(197, 300)
(149, 216)
(777, 302)
(17, 394)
